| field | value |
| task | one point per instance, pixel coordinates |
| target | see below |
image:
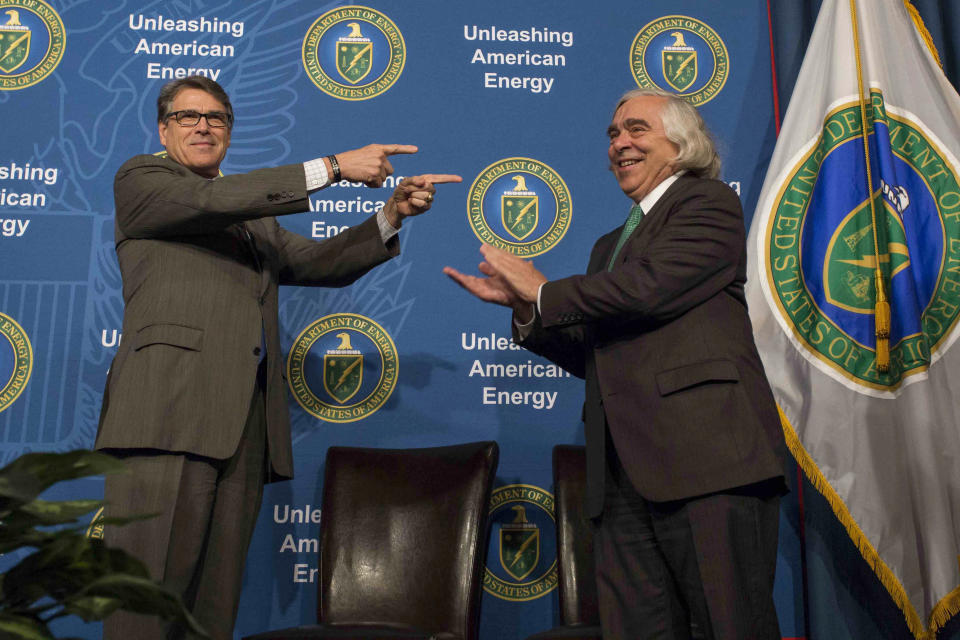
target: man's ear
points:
(162, 130)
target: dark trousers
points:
(197, 545)
(696, 568)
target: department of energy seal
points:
(342, 367)
(16, 360)
(95, 528)
(523, 533)
(32, 41)
(682, 55)
(353, 53)
(820, 246)
(520, 205)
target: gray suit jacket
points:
(666, 347)
(199, 295)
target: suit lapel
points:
(653, 217)
(600, 257)
(652, 221)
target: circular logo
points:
(32, 41)
(342, 368)
(16, 360)
(519, 205)
(682, 55)
(825, 238)
(95, 528)
(523, 540)
(354, 53)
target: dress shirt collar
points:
(651, 198)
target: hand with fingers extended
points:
(414, 196)
(510, 281)
(492, 288)
(370, 164)
(519, 274)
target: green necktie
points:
(636, 215)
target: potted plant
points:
(67, 572)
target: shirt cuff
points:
(387, 230)
(524, 329)
(316, 173)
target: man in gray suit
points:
(684, 443)
(195, 400)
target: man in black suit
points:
(195, 401)
(684, 443)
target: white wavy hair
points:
(684, 127)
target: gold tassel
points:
(883, 355)
(882, 324)
(882, 309)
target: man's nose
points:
(620, 141)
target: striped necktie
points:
(636, 215)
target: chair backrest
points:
(403, 536)
(577, 583)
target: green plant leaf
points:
(141, 595)
(62, 566)
(60, 512)
(23, 628)
(67, 572)
(91, 608)
(31, 474)
(15, 537)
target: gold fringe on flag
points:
(922, 30)
(949, 605)
(943, 611)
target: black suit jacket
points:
(666, 347)
(198, 298)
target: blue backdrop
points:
(493, 91)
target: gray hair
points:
(169, 91)
(684, 127)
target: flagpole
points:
(882, 306)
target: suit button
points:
(256, 351)
(262, 300)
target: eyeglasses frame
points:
(176, 116)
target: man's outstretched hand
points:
(509, 281)
(370, 164)
(414, 196)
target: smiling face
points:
(200, 148)
(641, 156)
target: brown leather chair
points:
(403, 535)
(579, 612)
